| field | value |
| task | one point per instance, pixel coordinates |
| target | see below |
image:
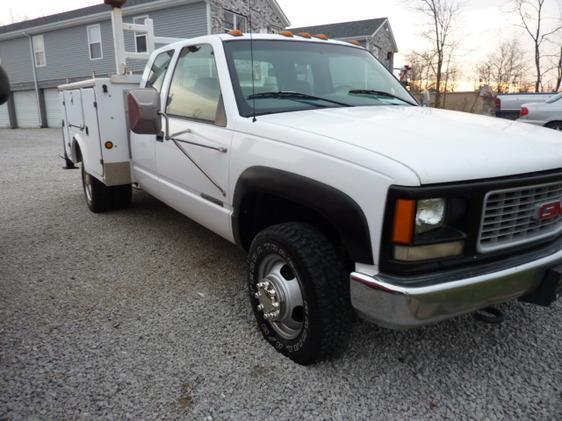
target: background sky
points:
(483, 23)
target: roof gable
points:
(359, 28)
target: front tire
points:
(299, 292)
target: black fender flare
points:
(343, 213)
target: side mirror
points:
(144, 111)
(4, 87)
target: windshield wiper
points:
(296, 95)
(378, 93)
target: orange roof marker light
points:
(321, 36)
(288, 34)
(236, 33)
(355, 42)
(305, 35)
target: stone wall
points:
(381, 46)
(263, 14)
(470, 102)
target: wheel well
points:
(78, 152)
(553, 122)
(261, 210)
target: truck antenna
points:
(254, 119)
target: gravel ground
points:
(143, 314)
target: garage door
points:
(53, 108)
(4, 117)
(27, 111)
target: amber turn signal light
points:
(404, 221)
(108, 145)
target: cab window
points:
(195, 89)
(158, 70)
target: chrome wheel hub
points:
(279, 296)
(269, 298)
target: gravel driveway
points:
(143, 314)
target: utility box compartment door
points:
(94, 164)
(74, 111)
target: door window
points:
(195, 89)
(158, 70)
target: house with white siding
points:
(42, 53)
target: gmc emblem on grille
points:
(549, 211)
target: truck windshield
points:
(296, 76)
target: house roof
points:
(58, 17)
(93, 10)
(359, 28)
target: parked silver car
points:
(547, 114)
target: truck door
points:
(193, 165)
(143, 147)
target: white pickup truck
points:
(509, 105)
(349, 198)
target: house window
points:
(39, 50)
(140, 38)
(94, 42)
(234, 21)
(274, 29)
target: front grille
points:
(511, 217)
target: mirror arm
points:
(166, 125)
(168, 136)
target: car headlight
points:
(421, 232)
(430, 215)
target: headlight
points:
(430, 215)
(415, 233)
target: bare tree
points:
(441, 18)
(532, 17)
(559, 72)
(422, 74)
(504, 67)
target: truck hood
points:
(438, 145)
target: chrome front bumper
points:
(380, 300)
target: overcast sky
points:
(484, 22)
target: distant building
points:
(374, 34)
(42, 53)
